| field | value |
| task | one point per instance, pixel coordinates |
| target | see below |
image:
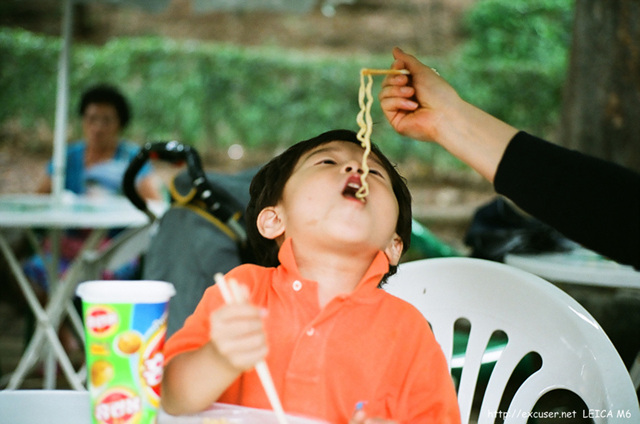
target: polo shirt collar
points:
(368, 284)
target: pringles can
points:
(125, 324)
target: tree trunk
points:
(601, 110)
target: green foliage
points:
(212, 95)
(514, 64)
(28, 70)
(207, 95)
(520, 30)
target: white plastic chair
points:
(536, 317)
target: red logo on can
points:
(101, 320)
(118, 406)
(151, 364)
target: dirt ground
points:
(426, 27)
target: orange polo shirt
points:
(366, 346)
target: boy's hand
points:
(237, 334)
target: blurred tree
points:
(601, 111)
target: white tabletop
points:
(580, 266)
(45, 406)
(71, 211)
(74, 407)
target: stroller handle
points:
(172, 151)
(217, 200)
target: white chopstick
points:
(231, 293)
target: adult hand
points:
(416, 104)
(425, 107)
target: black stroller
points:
(203, 231)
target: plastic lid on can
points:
(121, 291)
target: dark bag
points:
(498, 228)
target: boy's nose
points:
(353, 166)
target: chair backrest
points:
(44, 406)
(537, 317)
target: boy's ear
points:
(394, 249)
(269, 223)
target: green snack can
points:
(125, 324)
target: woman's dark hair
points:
(268, 185)
(107, 94)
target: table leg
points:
(49, 369)
(45, 331)
(24, 284)
(60, 355)
(48, 320)
(28, 360)
(53, 270)
(76, 321)
(30, 356)
(60, 303)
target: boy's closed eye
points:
(376, 172)
(327, 162)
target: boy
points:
(330, 336)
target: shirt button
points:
(311, 332)
(297, 285)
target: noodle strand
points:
(365, 122)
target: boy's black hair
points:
(268, 184)
(107, 94)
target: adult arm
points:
(591, 201)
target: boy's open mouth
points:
(351, 188)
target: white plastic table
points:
(31, 212)
(578, 266)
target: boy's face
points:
(319, 204)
